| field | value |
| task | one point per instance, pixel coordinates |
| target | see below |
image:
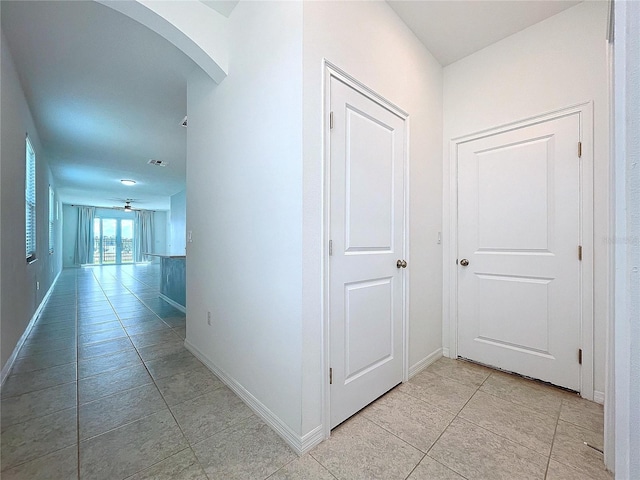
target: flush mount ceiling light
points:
(128, 182)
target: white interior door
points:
(367, 148)
(519, 230)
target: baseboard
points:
(445, 352)
(598, 397)
(425, 362)
(299, 444)
(311, 439)
(173, 303)
(11, 360)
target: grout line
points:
(77, 377)
(90, 276)
(449, 424)
(506, 438)
(452, 420)
(156, 463)
(123, 425)
(39, 390)
(364, 417)
(520, 405)
(553, 441)
(153, 380)
(498, 434)
(5, 469)
(415, 466)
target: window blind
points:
(52, 207)
(30, 202)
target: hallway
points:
(104, 389)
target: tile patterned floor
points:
(104, 389)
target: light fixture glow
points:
(128, 182)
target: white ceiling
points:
(107, 94)
(225, 7)
(454, 29)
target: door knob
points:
(464, 262)
(401, 264)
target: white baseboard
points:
(173, 303)
(11, 360)
(299, 444)
(445, 352)
(425, 362)
(598, 397)
(310, 440)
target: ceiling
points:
(454, 29)
(107, 94)
(225, 7)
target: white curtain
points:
(143, 234)
(84, 240)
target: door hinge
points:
(331, 376)
(330, 120)
(330, 247)
(579, 149)
(580, 356)
(580, 252)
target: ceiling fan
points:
(127, 206)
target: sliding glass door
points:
(126, 241)
(113, 244)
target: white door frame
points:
(450, 217)
(330, 70)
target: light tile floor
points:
(104, 389)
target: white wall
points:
(246, 174)
(70, 230)
(627, 244)
(20, 297)
(370, 42)
(161, 235)
(552, 65)
(178, 223)
(244, 207)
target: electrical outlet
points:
(209, 318)
(37, 285)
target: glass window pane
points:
(109, 240)
(96, 240)
(126, 235)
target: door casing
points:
(330, 70)
(450, 252)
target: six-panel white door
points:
(518, 229)
(367, 154)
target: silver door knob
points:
(464, 262)
(401, 264)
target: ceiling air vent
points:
(159, 163)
